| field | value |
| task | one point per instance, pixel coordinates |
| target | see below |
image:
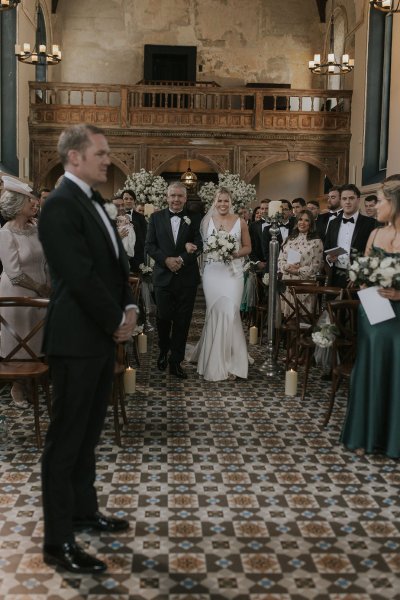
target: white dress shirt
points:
(345, 235)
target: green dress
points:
(373, 415)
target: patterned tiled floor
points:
(233, 493)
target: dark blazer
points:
(140, 226)
(362, 229)
(321, 224)
(256, 231)
(90, 287)
(160, 244)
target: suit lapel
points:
(168, 226)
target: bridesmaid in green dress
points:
(372, 422)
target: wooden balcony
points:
(194, 108)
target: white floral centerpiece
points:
(220, 247)
(243, 194)
(148, 188)
(324, 336)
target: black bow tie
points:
(284, 225)
(97, 197)
(350, 220)
(172, 214)
(333, 214)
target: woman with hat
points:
(24, 268)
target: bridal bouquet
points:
(220, 246)
(375, 269)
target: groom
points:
(174, 241)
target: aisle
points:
(233, 493)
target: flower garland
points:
(243, 194)
(148, 188)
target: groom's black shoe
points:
(176, 369)
(72, 557)
(162, 361)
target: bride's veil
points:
(213, 211)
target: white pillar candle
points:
(317, 59)
(27, 48)
(274, 207)
(253, 335)
(17, 48)
(130, 380)
(291, 383)
(142, 343)
(42, 48)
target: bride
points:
(221, 352)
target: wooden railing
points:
(198, 108)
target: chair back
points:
(135, 283)
(285, 294)
(309, 302)
(22, 342)
(343, 314)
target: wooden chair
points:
(136, 284)
(306, 322)
(118, 392)
(32, 370)
(343, 314)
(261, 308)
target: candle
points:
(345, 59)
(311, 64)
(148, 209)
(17, 48)
(274, 207)
(130, 380)
(331, 58)
(142, 343)
(54, 49)
(42, 48)
(253, 335)
(27, 48)
(291, 383)
(317, 59)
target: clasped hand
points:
(293, 268)
(125, 331)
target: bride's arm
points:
(245, 241)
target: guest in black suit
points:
(350, 230)
(334, 210)
(256, 229)
(174, 241)
(139, 225)
(91, 309)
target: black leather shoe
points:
(176, 369)
(70, 556)
(162, 361)
(101, 523)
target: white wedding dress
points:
(222, 350)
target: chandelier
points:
(189, 179)
(329, 65)
(387, 6)
(7, 4)
(38, 56)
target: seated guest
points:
(301, 254)
(350, 230)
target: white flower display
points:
(375, 269)
(243, 194)
(148, 188)
(111, 210)
(220, 247)
(325, 335)
(265, 279)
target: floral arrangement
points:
(220, 246)
(265, 279)
(375, 269)
(148, 188)
(243, 194)
(145, 269)
(111, 210)
(324, 335)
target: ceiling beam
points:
(321, 5)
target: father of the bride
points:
(174, 241)
(91, 309)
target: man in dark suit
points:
(350, 230)
(174, 241)
(91, 309)
(139, 225)
(256, 235)
(334, 210)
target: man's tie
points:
(172, 214)
(284, 225)
(350, 220)
(333, 214)
(96, 196)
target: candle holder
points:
(270, 367)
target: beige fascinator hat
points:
(11, 184)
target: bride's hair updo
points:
(391, 190)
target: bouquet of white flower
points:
(375, 269)
(220, 247)
(148, 188)
(324, 336)
(243, 194)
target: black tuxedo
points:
(256, 231)
(174, 292)
(140, 227)
(321, 223)
(362, 229)
(90, 290)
